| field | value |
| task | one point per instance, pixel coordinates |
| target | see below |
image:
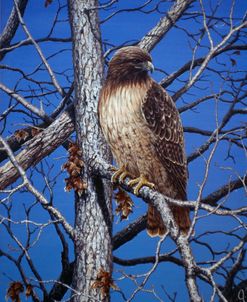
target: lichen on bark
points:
(93, 223)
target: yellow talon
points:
(140, 182)
(120, 174)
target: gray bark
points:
(93, 223)
(159, 201)
(37, 148)
(11, 26)
(152, 38)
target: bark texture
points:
(153, 37)
(37, 148)
(11, 26)
(93, 223)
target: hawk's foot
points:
(139, 183)
(120, 174)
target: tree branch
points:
(237, 266)
(153, 37)
(42, 200)
(157, 199)
(37, 148)
(215, 196)
(39, 112)
(28, 41)
(145, 260)
(15, 144)
(193, 64)
(58, 290)
(11, 26)
(129, 232)
(50, 71)
(213, 50)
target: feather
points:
(143, 128)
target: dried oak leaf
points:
(74, 149)
(78, 162)
(124, 204)
(48, 2)
(29, 290)
(75, 183)
(234, 62)
(35, 131)
(104, 282)
(14, 290)
(74, 167)
(21, 135)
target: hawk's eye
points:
(136, 61)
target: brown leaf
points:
(104, 282)
(236, 52)
(234, 62)
(68, 187)
(74, 167)
(75, 183)
(47, 2)
(21, 135)
(79, 185)
(29, 290)
(74, 149)
(75, 172)
(78, 162)
(35, 131)
(14, 290)
(124, 204)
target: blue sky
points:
(169, 55)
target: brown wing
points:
(163, 119)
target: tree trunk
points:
(93, 222)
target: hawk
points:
(143, 128)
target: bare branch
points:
(36, 193)
(29, 106)
(157, 199)
(165, 24)
(38, 147)
(16, 144)
(28, 41)
(197, 62)
(129, 232)
(11, 26)
(50, 71)
(215, 196)
(59, 288)
(207, 59)
(145, 260)
(237, 266)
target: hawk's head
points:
(130, 63)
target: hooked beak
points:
(145, 66)
(149, 66)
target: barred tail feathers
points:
(156, 227)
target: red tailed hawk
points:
(143, 128)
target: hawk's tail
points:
(156, 227)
